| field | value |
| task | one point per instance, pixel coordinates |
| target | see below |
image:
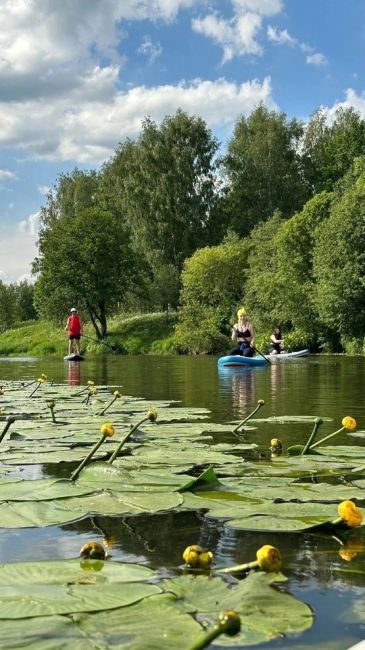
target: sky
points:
(77, 77)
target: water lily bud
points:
(44, 376)
(230, 622)
(117, 393)
(349, 423)
(40, 380)
(93, 550)
(276, 445)
(90, 382)
(196, 556)
(261, 402)
(350, 513)
(269, 558)
(152, 415)
(107, 430)
(51, 404)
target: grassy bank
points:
(138, 334)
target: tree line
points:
(275, 221)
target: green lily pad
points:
(267, 613)
(47, 588)
(154, 623)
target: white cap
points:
(73, 309)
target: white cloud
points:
(91, 130)
(262, 7)
(47, 46)
(317, 59)
(5, 174)
(30, 226)
(352, 100)
(281, 37)
(151, 50)
(18, 249)
(44, 189)
(237, 36)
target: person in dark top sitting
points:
(276, 341)
(243, 334)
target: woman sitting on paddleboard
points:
(244, 334)
(276, 342)
(74, 331)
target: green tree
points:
(72, 193)
(24, 292)
(295, 242)
(264, 287)
(213, 284)
(84, 259)
(329, 149)
(339, 260)
(263, 170)
(163, 187)
(7, 306)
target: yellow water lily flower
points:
(93, 550)
(230, 622)
(152, 415)
(350, 513)
(269, 558)
(40, 380)
(349, 423)
(107, 430)
(90, 382)
(93, 390)
(196, 556)
(51, 404)
(44, 376)
(117, 393)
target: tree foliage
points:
(213, 284)
(85, 259)
(339, 260)
(263, 169)
(329, 150)
(163, 187)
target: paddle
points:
(112, 347)
(257, 350)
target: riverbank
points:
(138, 334)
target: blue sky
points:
(79, 76)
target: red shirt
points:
(74, 325)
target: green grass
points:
(138, 334)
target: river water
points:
(328, 386)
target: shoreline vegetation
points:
(151, 333)
(138, 334)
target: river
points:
(328, 386)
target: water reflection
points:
(241, 383)
(74, 373)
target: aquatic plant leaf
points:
(40, 489)
(154, 623)
(45, 588)
(266, 613)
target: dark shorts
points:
(74, 336)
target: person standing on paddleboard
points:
(244, 334)
(74, 331)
